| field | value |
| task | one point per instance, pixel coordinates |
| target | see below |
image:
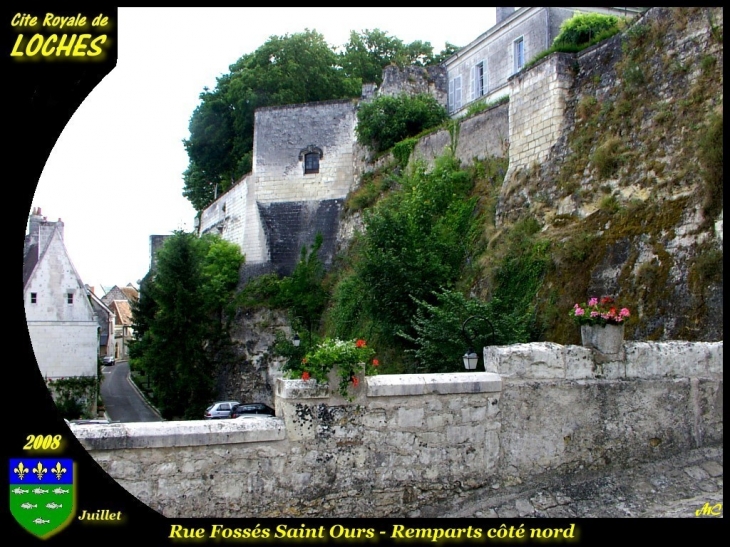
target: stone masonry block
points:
(536, 360)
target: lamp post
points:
(471, 359)
(296, 341)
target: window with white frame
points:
(519, 53)
(455, 94)
(69, 298)
(478, 87)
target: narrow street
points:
(122, 401)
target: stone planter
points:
(606, 339)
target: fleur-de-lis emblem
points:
(39, 471)
(21, 471)
(58, 470)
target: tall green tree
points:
(367, 53)
(415, 243)
(180, 320)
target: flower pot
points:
(606, 339)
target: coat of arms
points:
(42, 494)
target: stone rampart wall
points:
(411, 445)
(480, 136)
(414, 80)
(537, 111)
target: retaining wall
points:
(409, 445)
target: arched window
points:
(310, 156)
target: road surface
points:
(122, 401)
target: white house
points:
(61, 322)
(481, 69)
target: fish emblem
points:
(60, 491)
(27, 505)
(20, 491)
(41, 521)
(40, 491)
(53, 505)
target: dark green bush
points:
(388, 120)
(445, 330)
(416, 242)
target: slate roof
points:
(29, 262)
(128, 293)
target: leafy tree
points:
(302, 293)
(416, 243)
(445, 53)
(179, 320)
(367, 53)
(444, 330)
(386, 120)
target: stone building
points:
(61, 321)
(302, 172)
(120, 300)
(106, 320)
(482, 68)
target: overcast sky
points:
(119, 161)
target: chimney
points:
(34, 223)
(503, 13)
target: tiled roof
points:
(123, 312)
(130, 292)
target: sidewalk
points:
(678, 487)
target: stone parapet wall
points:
(411, 445)
(226, 216)
(639, 360)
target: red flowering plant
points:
(351, 357)
(600, 311)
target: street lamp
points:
(470, 357)
(296, 341)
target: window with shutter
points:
(477, 81)
(519, 54)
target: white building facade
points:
(61, 322)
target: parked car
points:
(220, 409)
(247, 409)
(108, 360)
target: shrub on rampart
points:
(388, 120)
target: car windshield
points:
(209, 408)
